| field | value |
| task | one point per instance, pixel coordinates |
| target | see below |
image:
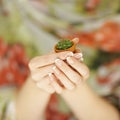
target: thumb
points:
(75, 40)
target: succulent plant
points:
(64, 44)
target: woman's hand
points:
(43, 67)
(68, 74)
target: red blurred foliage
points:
(91, 5)
(13, 64)
(52, 112)
(106, 38)
(108, 79)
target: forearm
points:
(86, 105)
(31, 102)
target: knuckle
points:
(34, 76)
(32, 62)
(30, 65)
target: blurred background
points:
(32, 27)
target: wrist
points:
(29, 101)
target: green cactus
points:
(64, 44)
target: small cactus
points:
(64, 44)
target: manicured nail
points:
(50, 76)
(69, 54)
(75, 39)
(78, 55)
(56, 70)
(58, 62)
(69, 59)
(82, 59)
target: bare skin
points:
(65, 74)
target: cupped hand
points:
(41, 66)
(68, 74)
(43, 71)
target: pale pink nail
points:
(50, 76)
(56, 70)
(82, 59)
(69, 54)
(69, 59)
(58, 62)
(78, 55)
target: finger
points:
(78, 56)
(75, 40)
(44, 81)
(45, 86)
(55, 85)
(68, 71)
(79, 67)
(77, 50)
(41, 72)
(45, 60)
(63, 79)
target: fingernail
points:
(50, 76)
(58, 62)
(69, 54)
(82, 59)
(75, 39)
(69, 59)
(78, 55)
(56, 70)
